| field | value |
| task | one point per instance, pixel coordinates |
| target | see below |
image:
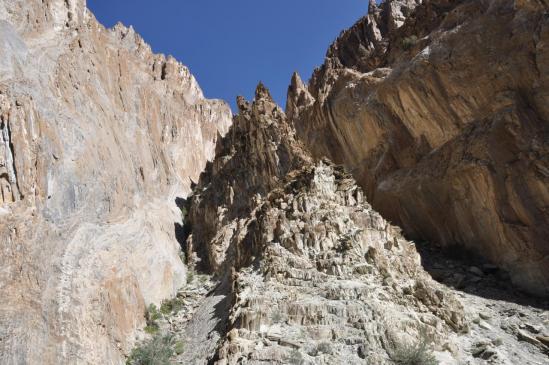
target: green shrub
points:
(151, 329)
(296, 358)
(156, 351)
(276, 317)
(179, 347)
(171, 306)
(419, 353)
(325, 348)
(409, 42)
(152, 314)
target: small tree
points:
(157, 351)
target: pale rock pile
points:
(316, 273)
(332, 281)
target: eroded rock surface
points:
(439, 109)
(98, 135)
(259, 151)
(317, 275)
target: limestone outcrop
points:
(98, 136)
(439, 110)
(259, 151)
(315, 272)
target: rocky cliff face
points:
(310, 273)
(259, 151)
(313, 266)
(98, 135)
(439, 109)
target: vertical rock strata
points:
(98, 135)
(316, 273)
(440, 110)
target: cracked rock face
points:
(259, 151)
(332, 282)
(439, 109)
(316, 274)
(98, 135)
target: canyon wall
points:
(98, 136)
(440, 110)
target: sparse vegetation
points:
(179, 347)
(190, 275)
(348, 240)
(183, 257)
(296, 358)
(345, 243)
(184, 214)
(276, 317)
(156, 351)
(151, 316)
(325, 348)
(321, 348)
(419, 353)
(183, 229)
(170, 306)
(203, 278)
(409, 42)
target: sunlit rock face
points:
(440, 110)
(311, 265)
(98, 136)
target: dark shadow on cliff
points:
(221, 313)
(217, 303)
(462, 270)
(182, 228)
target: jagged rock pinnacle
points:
(261, 92)
(297, 82)
(371, 6)
(298, 96)
(242, 103)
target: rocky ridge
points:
(314, 275)
(439, 109)
(98, 136)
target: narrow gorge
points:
(396, 212)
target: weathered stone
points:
(543, 339)
(448, 141)
(98, 136)
(523, 336)
(475, 270)
(307, 249)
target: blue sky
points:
(230, 45)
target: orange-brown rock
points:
(443, 119)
